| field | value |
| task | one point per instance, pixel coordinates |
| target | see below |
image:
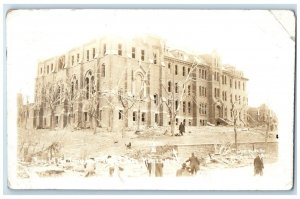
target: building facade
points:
(114, 83)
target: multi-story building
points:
(113, 82)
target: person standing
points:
(183, 171)
(111, 165)
(90, 167)
(194, 164)
(258, 165)
(159, 168)
(181, 128)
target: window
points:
(103, 70)
(239, 85)
(156, 118)
(169, 68)
(200, 90)
(200, 108)
(134, 116)
(51, 67)
(231, 98)
(176, 121)
(72, 60)
(120, 49)
(41, 71)
(190, 122)
(243, 85)
(189, 90)
(142, 55)
(230, 82)
(183, 71)
(176, 69)
(78, 57)
(189, 107)
(85, 116)
(204, 92)
(200, 73)
(120, 114)
(189, 70)
(155, 98)
(218, 79)
(104, 49)
(133, 52)
(87, 55)
(169, 86)
(176, 104)
(94, 53)
(205, 76)
(47, 69)
(183, 107)
(235, 86)
(56, 120)
(143, 117)
(205, 109)
(87, 87)
(154, 58)
(176, 87)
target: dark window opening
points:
(120, 49)
(133, 52)
(142, 55)
(104, 49)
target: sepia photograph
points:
(150, 99)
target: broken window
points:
(142, 55)
(104, 49)
(94, 53)
(120, 114)
(133, 52)
(143, 117)
(120, 49)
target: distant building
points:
(261, 116)
(112, 82)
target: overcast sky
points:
(253, 41)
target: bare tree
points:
(52, 98)
(171, 96)
(236, 112)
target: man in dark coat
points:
(181, 128)
(258, 165)
(194, 164)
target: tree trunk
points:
(52, 120)
(235, 136)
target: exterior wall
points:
(143, 65)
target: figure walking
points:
(181, 128)
(258, 165)
(194, 164)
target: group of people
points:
(192, 169)
(155, 166)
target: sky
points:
(252, 41)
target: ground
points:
(80, 145)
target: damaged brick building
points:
(113, 82)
